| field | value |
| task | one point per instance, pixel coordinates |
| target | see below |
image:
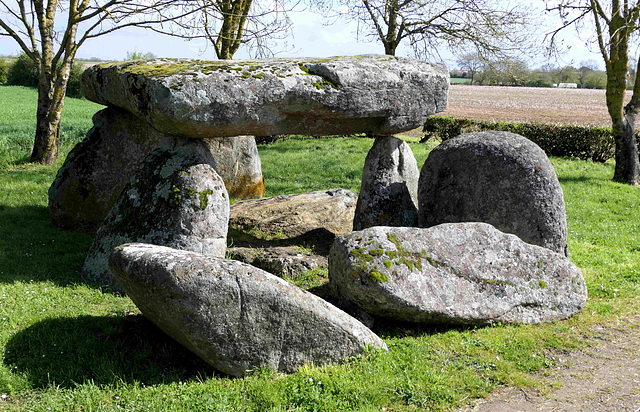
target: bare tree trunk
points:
(390, 49)
(627, 168)
(48, 115)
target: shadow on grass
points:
(581, 179)
(32, 248)
(66, 352)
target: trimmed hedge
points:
(584, 142)
(4, 70)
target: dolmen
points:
(165, 216)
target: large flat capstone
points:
(338, 95)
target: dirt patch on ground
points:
(604, 377)
(525, 104)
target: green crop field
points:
(66, 345)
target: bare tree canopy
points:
(615, 25)
(489, 27)
(52, 45)
(229, 24)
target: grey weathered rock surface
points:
(494, 177)
(290, 216)
(278, 260)
(338, 95)
(457, 273)
(95, 171)
(175, 199)
(236, 317)
(389, 190)
(238, 163)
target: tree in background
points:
(229, 24)
(52, 45)
(139, 55)
(489, 27)
(470, 62)
(614, 24)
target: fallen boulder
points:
(234, 316)
(456, 273)
(278, 260)
(494, 177)
(175, 199)
(389, 190)
(336, 95)
(291, 216)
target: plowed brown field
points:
(523, 104)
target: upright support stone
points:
(238, 163)
(95, 171)
(174, 199)
(389, 189)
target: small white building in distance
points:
(568, 86)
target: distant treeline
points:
(513, 72)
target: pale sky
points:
(310, 39)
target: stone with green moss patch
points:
(163, 93)
(174, 187)
(457, 273)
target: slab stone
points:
(238, 163)
(236, 317)
(174, 199)
(278, 260)
(94, 173)
(499, 178)
(455, 273)
(290, 216)
(339, 95)
(389, 190)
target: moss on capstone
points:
(359, 254)
(376, 276)
(376, 252)
(538, 284)
(304, 68)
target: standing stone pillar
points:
(389, 190)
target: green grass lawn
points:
(18, 120)
(459, 80)
(66, 345)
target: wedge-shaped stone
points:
(338, 95)
(457, 273)
(234, 316)
(289, 216)
(175, 198)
